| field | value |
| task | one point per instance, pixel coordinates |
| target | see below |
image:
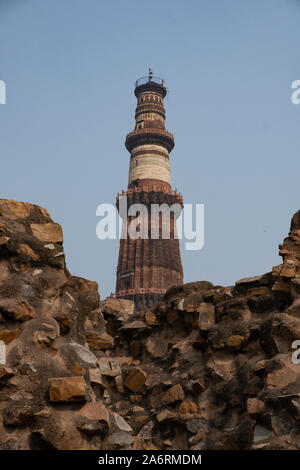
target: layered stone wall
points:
(149, 267)
(210, 367)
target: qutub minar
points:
(148, 267)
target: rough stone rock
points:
(187, 408)
(156, 347)
(4, 240)
(16, 309)
(49, 232)
(14, 209)
(44, 338)
(96, 377)
(255, 406)
(91, 427)
(94, 411)
(40, 295)
(78, 370)
(261, 437)
(65, 322)
(117, 423)
(151, 319)
(206, 316)
(288, 269)
(67, 389)
(118, 440)
(18, 416)
(109, 367)
(235, 341)
(210, 367)
(119, 383)
(137, 325)
(173, 395)
(195, 387)
(84, 355)
(99, 341)
(166, 415)
(283, 378)
(9, 335)
(28, 252)
(113, 306)
(136, 379)
(249, 280)
(222, 366)
(5, 372)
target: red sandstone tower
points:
(148, 267)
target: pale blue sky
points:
(70, 68)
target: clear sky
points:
(70, 68)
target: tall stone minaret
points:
(148, 267)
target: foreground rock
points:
(210, 368)
(51, 388)
(67, 389)
(218, 363)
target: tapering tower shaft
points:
(148, 266)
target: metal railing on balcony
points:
(150, 79)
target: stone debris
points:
(67, 389)
(49, 232)
(7, 336)
(209, 368)
(99, 341)
(96, 377)
(95, 412)
(116, 307)
(81, 353)
(117, 423)
(109, 367)
(136, 379)
(16, 309)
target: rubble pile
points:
(210, 367)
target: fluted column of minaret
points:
(147, 267)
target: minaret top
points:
(150, 83)
(150, 116)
